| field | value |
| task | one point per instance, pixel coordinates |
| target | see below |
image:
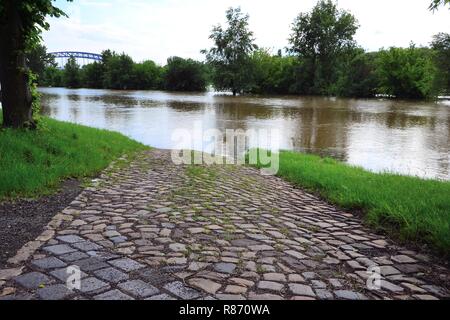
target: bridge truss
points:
(82, 57)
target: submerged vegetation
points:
(34, 162)
(322, 58)
(407, 208)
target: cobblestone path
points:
(153, 230)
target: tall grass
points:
(408, 208)
(33, 163)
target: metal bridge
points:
(82, 57)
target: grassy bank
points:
(33, 163)
(407, 208)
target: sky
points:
(158, 29)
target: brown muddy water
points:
(406, 137)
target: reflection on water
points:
(381, 135)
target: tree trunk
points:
(16, 94)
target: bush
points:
(407, 73)
(185, 75)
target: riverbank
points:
(409, 209)
(34, 163)
(42, 172)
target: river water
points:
(406, 137)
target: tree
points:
(53, 77)
(21, 23)
(437, 3)
(441, 48)
(318, 38)
(184, 75)
(72, 74)
(38, 60)
(273, 74)
(92, 75)
(407, 72)
(230, 57)
(356, 74)
(118, 71)
(146, 75)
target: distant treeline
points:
(119, 71)
(323, 59)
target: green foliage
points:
(38, 60)
(319, 38)
(53, 77)
(118, 72)
(92, 75)
(441, 48)
(146, 75)
(356, 75)
(273, 74)
(33, 15)
(435, 4)
(230, 56)
(408, 208)
(35, 97)
(185, 75)
(71, 75)
(33, 163)
(407, 72)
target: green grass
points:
(407, 208)
(34, 163)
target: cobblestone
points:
(155, 230)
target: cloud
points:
(158, 29)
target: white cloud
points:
(157, 29)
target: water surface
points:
(380, 135)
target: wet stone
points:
(90, 264)
(113, 295)
(91, 285)
(161, 297)
(177, 247)
(225, 267)
(324, 294)
(270, 285)
(301, 290)
(244, 242)
(410, 268)
(70, 239)
(33, 280)
(74, 256)
(139, 288)
(59, 249)
(87, 246)
(386, 285)
(180, 290)
(126, 264)
(48, 263)
(119, 239)
(403, 259)
(101, 255)
(275, 277)
(55, 292)
(388, 270)
(111, 275)
(309, 275)
(349, 295)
